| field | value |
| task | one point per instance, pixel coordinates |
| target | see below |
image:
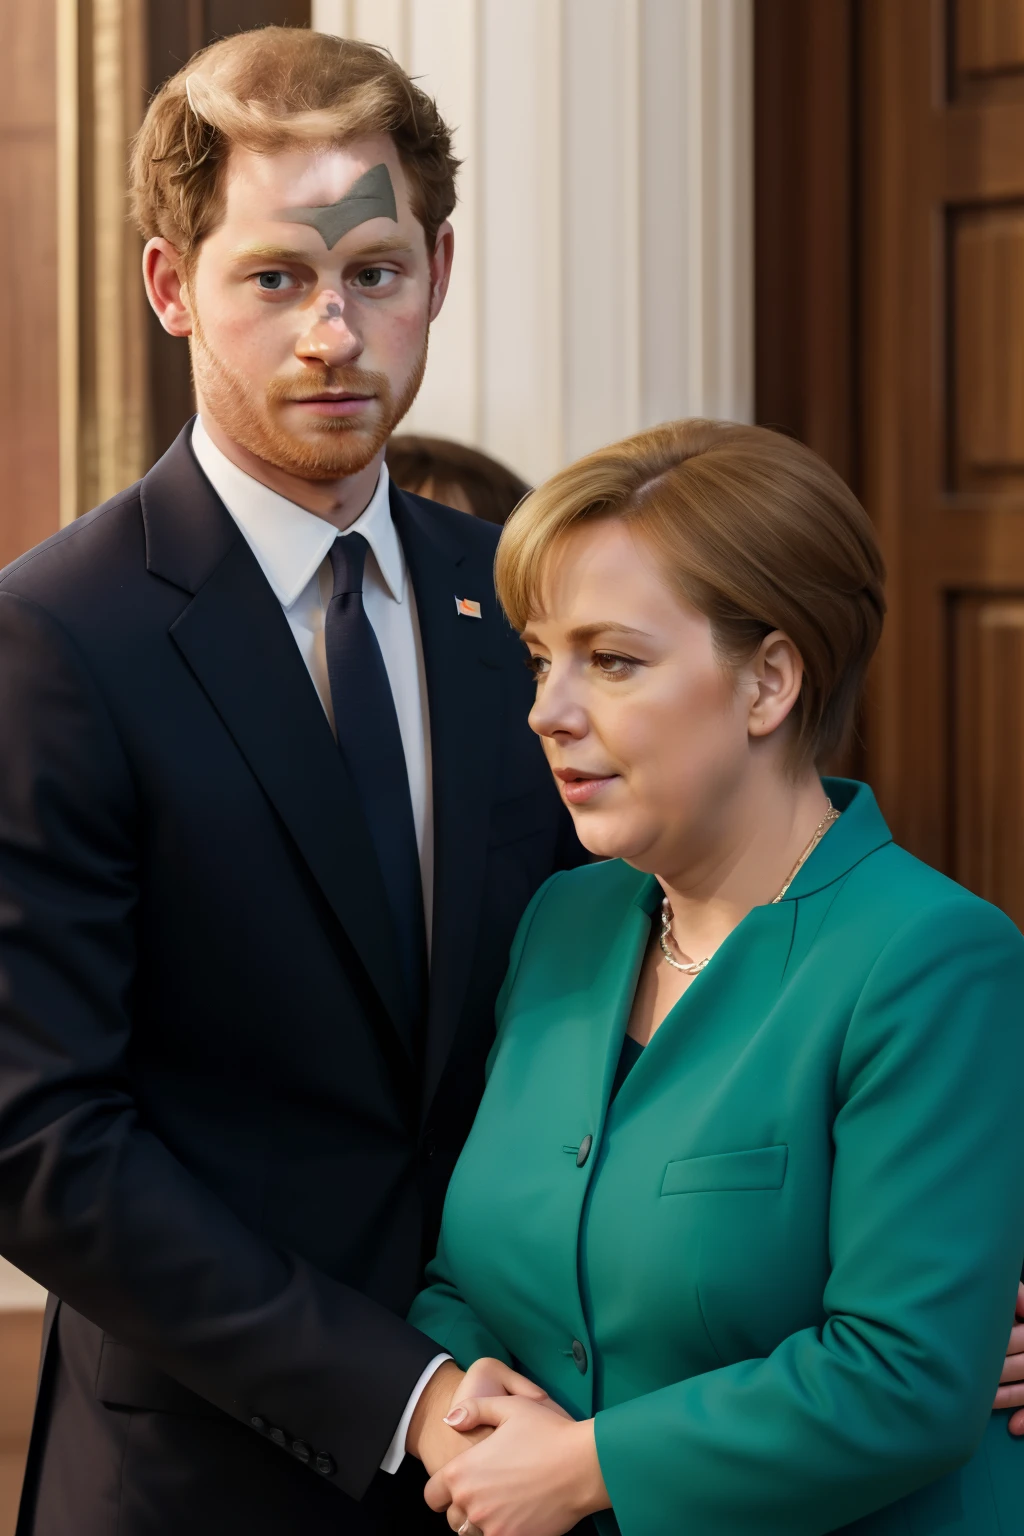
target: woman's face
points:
(645, 729)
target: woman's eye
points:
(612, 665)
(375, 277)
(274, 282)
(538, 665)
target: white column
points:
(604, 239)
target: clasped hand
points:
(529, 1470)
(1011, 1382)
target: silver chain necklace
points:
(694, 967)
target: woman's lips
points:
(578, 788)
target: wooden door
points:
(942, 426)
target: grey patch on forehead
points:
(371, 197)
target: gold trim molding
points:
(102, 379)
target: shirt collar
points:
(290, 543)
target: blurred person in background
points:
(457, 476)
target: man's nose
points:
(329, 338)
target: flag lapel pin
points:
(467, 608)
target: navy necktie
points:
(371, 744)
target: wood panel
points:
(986, 360)
(28, 278)
(989, 36)
(988, 734)
(804, 202)
(942, 260)
(805, 212)
(20, 1334)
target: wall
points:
(17, 1291)
(28, 277)
(603, 277)
(28, 322)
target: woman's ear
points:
(777, 671)
(166, 287)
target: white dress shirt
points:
(292, 548)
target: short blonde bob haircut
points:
(271, 89)
(753, 529)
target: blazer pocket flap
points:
(758, 1168)
(127, 1380)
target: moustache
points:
(313, 383)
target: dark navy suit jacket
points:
(224, 1144)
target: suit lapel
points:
(236, 640)
(460, 658)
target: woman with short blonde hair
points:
(742, 1203)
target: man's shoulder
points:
(90, 557)
(476, 535)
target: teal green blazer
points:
(780, 1266)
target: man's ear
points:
(441, 267)
(777, 671)
(166, 288)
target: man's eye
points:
(376, 277)
(538, 665)
(274, 282)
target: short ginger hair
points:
(754, 531)
(272, 89)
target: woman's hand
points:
(537, 1474)
(493, 1378)
(1011, 1382)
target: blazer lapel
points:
(236, 640)
(460, 662)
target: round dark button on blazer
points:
(324, 1464)
(301, 1450)
(584, 1151)
(579, 1355)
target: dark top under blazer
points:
(215, 1142)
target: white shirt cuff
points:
(396, 1450)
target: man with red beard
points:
(269, 815)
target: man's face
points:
(305, 355)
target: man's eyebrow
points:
(272, 253)
(386, 245)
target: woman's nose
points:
(556, 712)
(329, 338)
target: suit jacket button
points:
(579, 1356)
(258, 1423)
(279, 1437)
(301, 1450)
(584, 1151)
(325, 1465)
